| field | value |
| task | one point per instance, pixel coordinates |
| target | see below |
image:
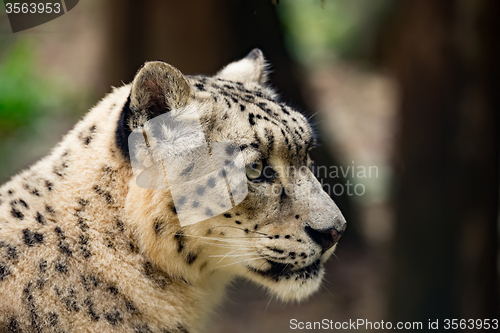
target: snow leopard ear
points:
(158, 88)
(252, 68)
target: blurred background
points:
(409, 88)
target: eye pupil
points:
(254, 170)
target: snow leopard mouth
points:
(280, 271)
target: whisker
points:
(228, 240)
(225, 246)
(226, 256)
(237, 262)
(321, 108)
(252, 231)
(328, 290)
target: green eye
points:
(254, 170)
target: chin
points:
(287, 284)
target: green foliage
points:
(317, 29)
(23, 95)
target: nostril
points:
(326, 238)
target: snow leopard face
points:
(282, 231)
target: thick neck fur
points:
(82, 198)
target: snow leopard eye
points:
(254, 170)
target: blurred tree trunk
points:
(445, 55)
(200, 37)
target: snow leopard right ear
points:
(157, 88)
(252, 68)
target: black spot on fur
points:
(133, 248)
(32, 238)
(180, 238)
(89, 282)
(63, 246)
(130, 306)
(80, 220)
(43, 265)
(12, 252)
(113, 290)
(242, 107)
(284, 110)
(61, 266)
(90, 309)
(17, 214)
(30, 305)
(105, 194)
(251, 119)
(4, 271)
(82, 203)
(237, 222)
(120, 225)
(181, 329)
(50, 210)
(13, 326)
(227, 215)
(200, 86)
(40, 283)
(191, 257)
(48, 185)
(142, 328)
(155, 274)
(158, 225)
(69, 299)
(53, 319)
(83, 241)
(39, 218)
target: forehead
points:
(251, 116)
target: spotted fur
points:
(84, 249)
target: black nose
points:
(326, 238)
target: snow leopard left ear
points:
(157, 89)
(252, 68)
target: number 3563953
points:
(33, 8)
